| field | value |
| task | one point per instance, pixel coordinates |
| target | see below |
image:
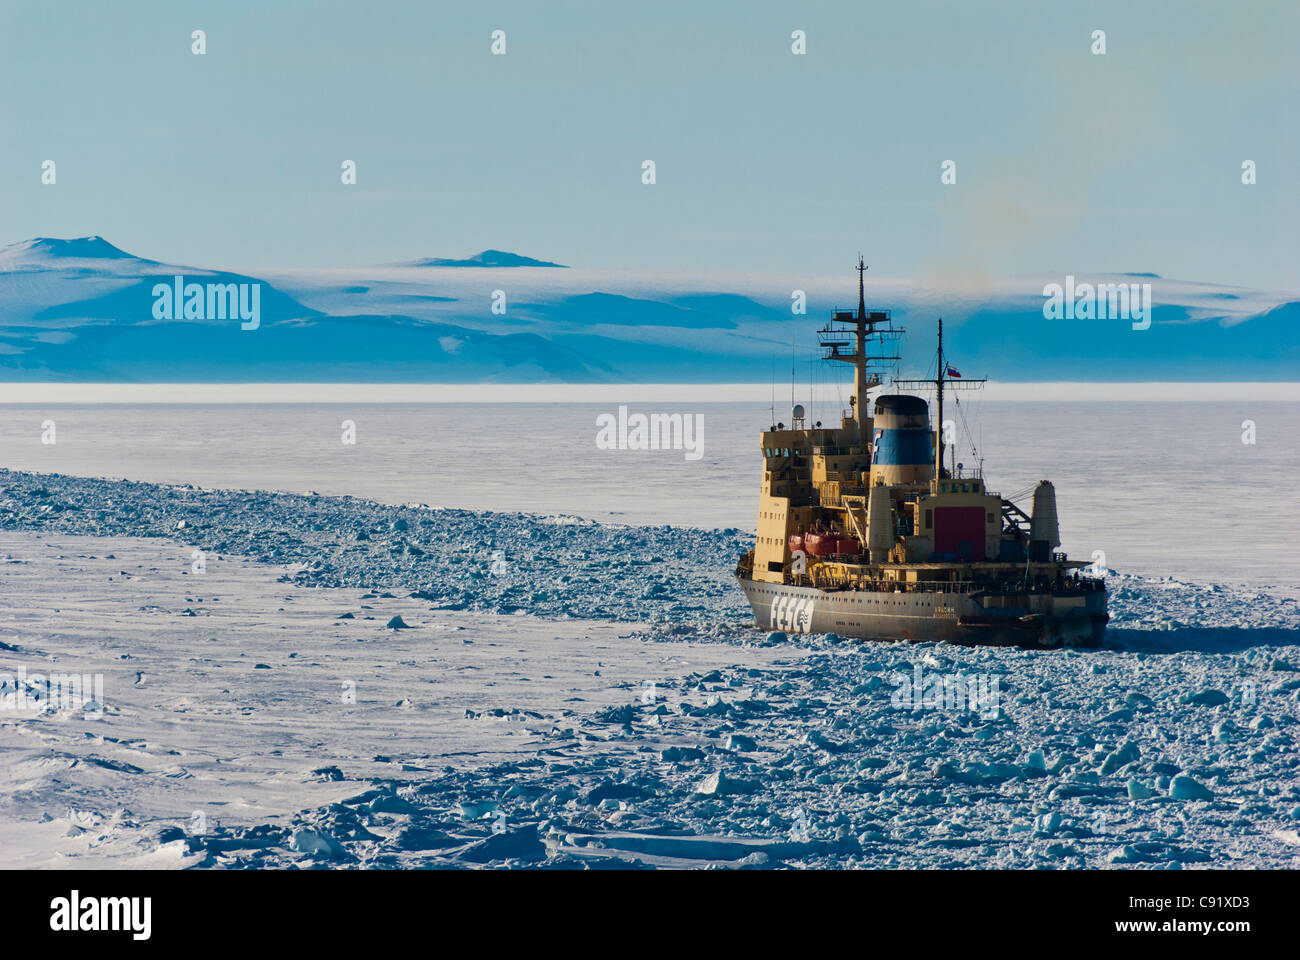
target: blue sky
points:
(766, 161)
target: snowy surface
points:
(600, 699)
(1128, 475)
(224, 692)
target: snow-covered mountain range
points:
(84, 310)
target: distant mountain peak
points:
(488, 258)
(75, 248)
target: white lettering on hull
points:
(793, 614)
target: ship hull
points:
(1047, 619)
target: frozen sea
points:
(354, 682)
(1162, 488)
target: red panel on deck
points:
(953, 525)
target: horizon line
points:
(328, 392)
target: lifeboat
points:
(850, 547)
(795, 542)
(818, 544)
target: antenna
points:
(773, 393)
(862, 297)
(940, 378)
(794, 333)
(811, 386)
(860, 333)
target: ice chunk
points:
(679, 754)
(739, 743)
(719, 784)
(1126, 753)
(1223, 731)
(1047, 824)
(1138, 790)
(1183, 787)
(317, 844)
(1206, 698)
(521, 844)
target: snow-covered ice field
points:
(574, 693)
(1129, 474)
(225, 695)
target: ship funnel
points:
(900, 442)
(880, 538)
(1044, 530)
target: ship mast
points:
(940, 378)
(860, 355)
(938, 382)
(874, 327)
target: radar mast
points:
(863, 328)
